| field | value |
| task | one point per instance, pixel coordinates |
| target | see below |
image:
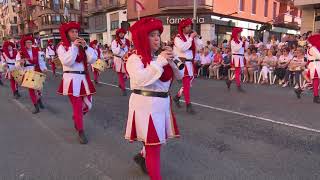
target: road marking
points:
(240, 114)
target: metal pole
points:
(194, 14)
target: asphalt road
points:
(263, 134)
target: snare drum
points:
(100, 65)
(17, 76)
(33, 80)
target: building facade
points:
(42, 18)
(215, 18)
(311, 15)
(9, 20)
(105, 17)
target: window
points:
(266, 5)
(254, 6)
(77, 4)
(15, 20)
(241, 5)
(274, 10)
(56, 4)
(114, 25)
(98, 3)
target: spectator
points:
(215, 65)
(283, 63)
(205, 61)
(295, 67)
(226, 65)
(268, 64)
(252, 64)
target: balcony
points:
(288, 21)
(106, 6)
(185, 4)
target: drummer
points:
(50, 54)
(8, 59)
(95, 47)
(30, 59)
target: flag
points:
(139, 5)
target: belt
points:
(151, 93)
(118, 56)
(75, 72)
(28, 65)
(238, 54)
(185, 59)
(314, 60)
(11, 63)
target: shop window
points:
(114, 25)
(174, 29)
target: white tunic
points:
(182, 49)
(29, 66)
(144, 110)
(50, 53)
(5, 60)
(68, 61)
(313, 54)
(119, 52)
(237, 48)
(101, 57)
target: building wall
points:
(307, 23)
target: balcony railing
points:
(288, 20)
(172, 4)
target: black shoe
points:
(1, 83)
(316, 99)
(96, 82)
(82, 138)
(40, 104)
(240, 89)
(190, 110)
(16, 95)
(139, 159)
(124, 92)
(228, 82)
(36, 109)
(298, 92)
(176, 101)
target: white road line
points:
(240, 114)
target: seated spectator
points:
(197, 62)
(252, 64)
(268, 64)
(295, 68)
(205, 61)
(282, 65)
(226, 65)
(215, 65)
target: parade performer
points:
(120, 46)
(50, 54)
(31, 59)
(75, 56)
(237, 60)
(96, 72)
(186, 44)
(8, 60)
(313, 64)
(150, 117)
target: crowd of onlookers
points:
(283, 61)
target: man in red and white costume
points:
(186, 44)
(31, 59)
(313, 56)
(75, 56)
(8, 60)
(96, 72)
(50, 54)
(237, 60)
(150, 118)
(120, 46)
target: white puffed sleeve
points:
(181, 45)
(42, 62)
(91, 55)
(69, 57)
(144, 76)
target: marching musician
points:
(75, 56)
(8, 60)
(31, 59)
(186, 43)
(50, 54)
(150, 117)
(120, 46)
(96, 72)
